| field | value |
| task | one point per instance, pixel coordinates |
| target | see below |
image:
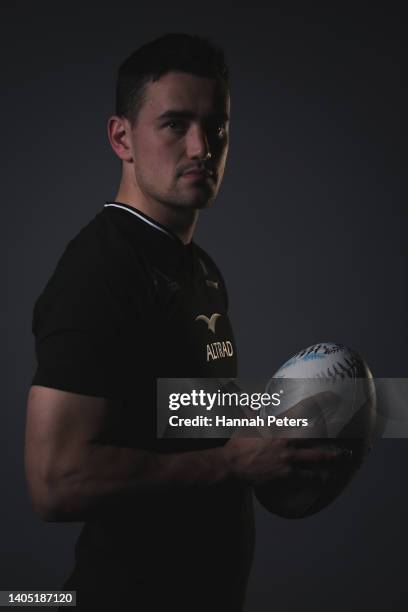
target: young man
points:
(167, 522)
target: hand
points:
(258, 460)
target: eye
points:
(176, 125)
(219, 129)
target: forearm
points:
(105, 476)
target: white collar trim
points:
(139, 216)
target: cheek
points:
(161, 167)
(222, 155)
(161, 155)
(225, 150)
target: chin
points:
(197, 203)
(190, 200)
(205, 204)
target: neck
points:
(180, 221)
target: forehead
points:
(185, 92)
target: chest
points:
(192, 335)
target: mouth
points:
(198, 174)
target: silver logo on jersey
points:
(219, 350)
(213, 284)
(209, 321)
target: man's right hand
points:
(258, 461)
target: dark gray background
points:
(308, 229)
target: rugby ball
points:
(347, 421)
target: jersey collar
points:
(166, 248)
(145, 218)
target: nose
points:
(197, 143)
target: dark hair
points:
(171, 52)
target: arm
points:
(71, 476)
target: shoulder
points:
(92, 274)
(99, 250)
(99, 244)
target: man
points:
(167, 522)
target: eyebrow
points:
(181, 114)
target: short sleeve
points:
(80, 321)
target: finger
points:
(321, 455)
(310, 443)
(315, 475)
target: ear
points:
(119, 131)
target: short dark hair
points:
(171, 52)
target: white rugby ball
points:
(327, 366)
(322, 367)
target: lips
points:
(197, 173)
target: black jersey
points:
(123, 308)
